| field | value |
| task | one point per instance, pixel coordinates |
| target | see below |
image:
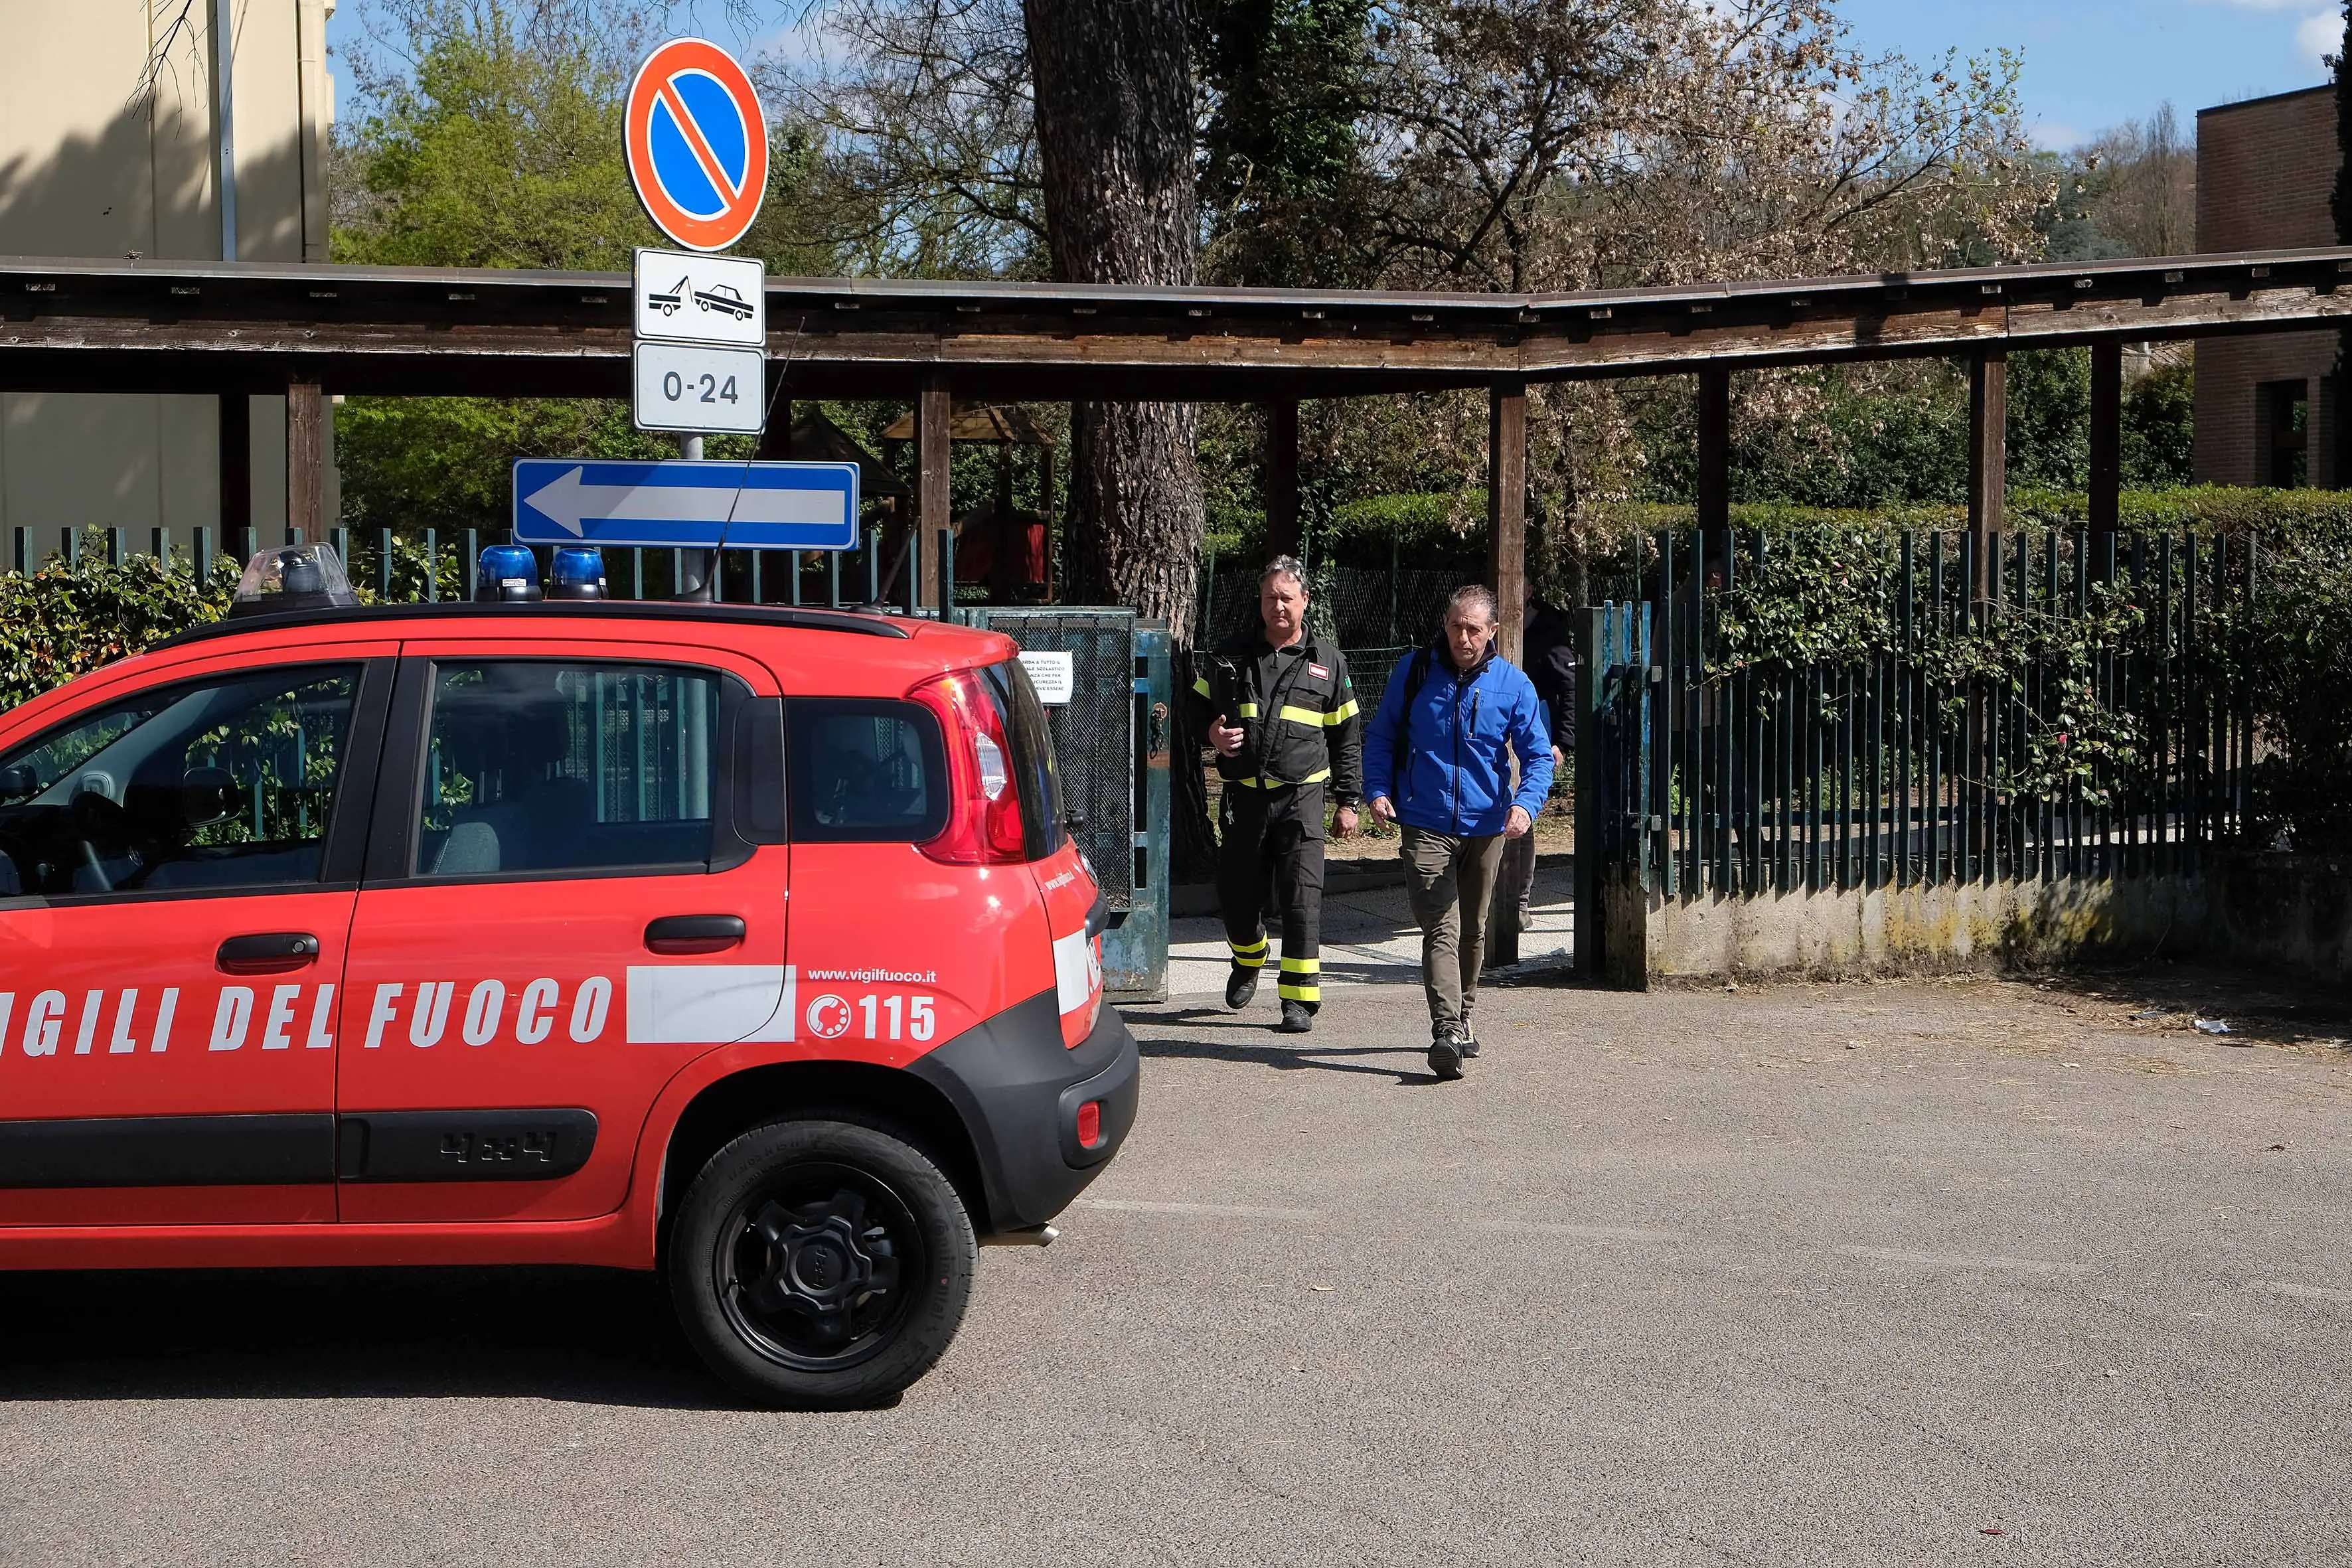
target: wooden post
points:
(1507, 513)
(235, 467)
(1008, 571)
(306, 458)
(1988, 458)
(2108, 434)
(776, 437)
(1282, 477)
(1046, 482)
(1714, 449)
(932, 468)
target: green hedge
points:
(63, 620)
(2322, 515)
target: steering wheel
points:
(17, 863)
(96, 819)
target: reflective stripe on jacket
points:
(1297, 710)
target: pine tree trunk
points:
(1114, 90)
(1114, 95)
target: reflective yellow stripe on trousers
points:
(1301, 980)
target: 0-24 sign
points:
(698, 388)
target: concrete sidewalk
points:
(1370, 939)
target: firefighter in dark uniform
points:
(1281, 713)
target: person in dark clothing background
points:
(1550, 647)
(1280, 712)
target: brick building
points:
(2268, 407)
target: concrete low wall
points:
(2290, 913)
(1908, 930)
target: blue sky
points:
(2089, 63)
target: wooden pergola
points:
(236, 328)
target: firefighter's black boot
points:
(1298, 1018)
(1240, 986)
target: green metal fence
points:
(2064, 706)
(872, 574)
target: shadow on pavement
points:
(584, 1335)
(1281, 1057)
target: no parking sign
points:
(697, 143)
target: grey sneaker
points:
(1469, 1041)
(1298, 1018)
(1445, 1053)
(1240, 986)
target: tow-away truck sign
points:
(683, 297)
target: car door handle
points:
(267, 953)
(681, 936)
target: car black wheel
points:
(821, 1263)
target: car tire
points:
(820, 1264)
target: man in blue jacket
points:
(1435, 760)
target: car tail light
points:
(1090, 1124)
(984, 799)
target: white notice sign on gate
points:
(1055, 675)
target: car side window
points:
(535, 765)
(864, 771)
(228, 783)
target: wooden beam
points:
(1988, 457)
(932, 472)
(235, 469)
(1507, 513)
(2107, 435)
(1282, 477)
(306, 458)
(1715, 448)
(205, 327)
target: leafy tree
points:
(500, 146)
(1281, 158)
(2160, 425)
(924, 113)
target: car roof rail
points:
(861, 622)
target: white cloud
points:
(2318, 35)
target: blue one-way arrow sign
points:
(754, 506)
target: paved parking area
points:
(1369, 936)
(1919, 1273)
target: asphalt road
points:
(1860, 1275)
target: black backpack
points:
(1416, 671)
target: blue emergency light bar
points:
(577, 573)
(506, 574)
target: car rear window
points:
(865, 771)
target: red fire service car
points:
(747, 944)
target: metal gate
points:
(1110, 741)
(1616, 790)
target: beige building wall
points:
(100, 156)
(2265, 172)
